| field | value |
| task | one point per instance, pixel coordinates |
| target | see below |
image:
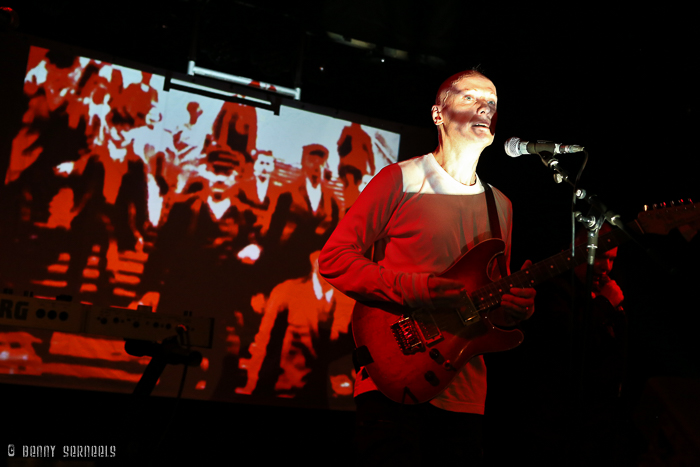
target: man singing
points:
(419, 216)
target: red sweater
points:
(419, 220)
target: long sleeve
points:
(343, 263)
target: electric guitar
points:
(413, 354)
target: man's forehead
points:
(477, 83)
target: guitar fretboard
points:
(490, 295)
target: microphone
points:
(515, 147)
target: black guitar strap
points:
(494, 224)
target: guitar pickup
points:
(468, 313)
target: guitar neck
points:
(490, 295)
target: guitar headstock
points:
(662, 218)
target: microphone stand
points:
(579, 328)
(598, 214)
(136, 425)
(561, 175)
(168, 352)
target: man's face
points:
(223, 170)
(602, 266)
(312, 165)
(264, 166)
(469, 110)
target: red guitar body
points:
(415, 353)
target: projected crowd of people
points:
(119, 193)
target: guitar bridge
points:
(407, 335)
(414, 333)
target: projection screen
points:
(119, 193)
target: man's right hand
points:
(446, 292)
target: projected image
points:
(118, 193)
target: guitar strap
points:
(494, 224)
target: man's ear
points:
(437, 114)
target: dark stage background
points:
(617, 81)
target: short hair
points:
(317, 150)
(446, 86)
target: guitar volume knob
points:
(437, 356)
(431, 378)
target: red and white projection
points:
(119, 193)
